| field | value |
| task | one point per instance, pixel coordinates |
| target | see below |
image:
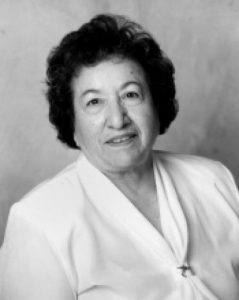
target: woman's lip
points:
(120, 139)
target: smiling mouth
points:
(124, 139)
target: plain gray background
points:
(200, 36)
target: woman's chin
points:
(126, 162)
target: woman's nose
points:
(117, 117)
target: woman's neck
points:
(140, 188)
(135, 179)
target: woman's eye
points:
(93, 102)
(132, 98)
(94, 105)
(132, 95)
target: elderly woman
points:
(123, 222)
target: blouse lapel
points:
(110, 201)
(173, 221)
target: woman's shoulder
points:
(196, 168)
(56, 186)
(47, 218)
(60, 199)
(193, 166)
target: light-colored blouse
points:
(78, 237)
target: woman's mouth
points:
(122, 139)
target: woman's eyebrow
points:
(124, 85)
(95, 91)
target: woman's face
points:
(115, 121)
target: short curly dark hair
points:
(103, 37)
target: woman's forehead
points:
(114, 71)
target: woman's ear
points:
(76, 141)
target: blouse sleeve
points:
(232, 183)
(29, 270)
(228, 187)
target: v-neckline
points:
(171, 247)
(110, 200)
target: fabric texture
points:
(77, 236)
